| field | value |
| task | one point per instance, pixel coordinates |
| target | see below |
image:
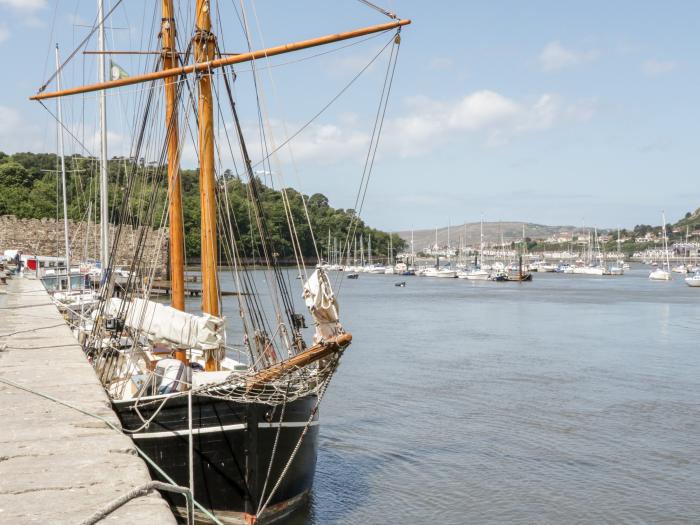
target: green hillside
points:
(30, 188)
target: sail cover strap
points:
(163, 323)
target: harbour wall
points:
(45, 237)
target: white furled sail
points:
(323, 306)
(163, 323)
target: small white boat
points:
(75, 299)
(589, 270)
(693, 281)
(660, 275)
(441, 272)
(681, 268)
(389, 270)
(376, 268)
(617, 270)
(475, 274)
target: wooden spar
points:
(308, 356)
(177, 248)
(177, 245)
(112, 52)
(221, 62)
(203, 44)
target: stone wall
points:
(45, 237)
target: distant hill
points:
(690, 221)
(511, 231)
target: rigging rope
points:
(95, 27)
(374, 144)
(327, 105)
(379, 9)
(111, 425)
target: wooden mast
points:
(177, 245)
(203, 44)
(221, 62)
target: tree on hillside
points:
(27, 191)
(44, 195)
(13, 174)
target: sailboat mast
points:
(412, 253)
(104, 186)
(390, 249)
(59, 112)
(481, 243)
(362, 250)
(369, 249)
(177, 245)
(449, 227)
(328, 248)
(663, 227)
(619, 251)
(204, 51)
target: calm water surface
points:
(570, 399)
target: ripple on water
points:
(565, 400)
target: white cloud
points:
(16, 134)
(323, 143)
(481, 109)
(490, 116)
(4, 33)
(24, 5)
(26, 11)
(654, 67)
(555, 56)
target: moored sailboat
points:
(693, 281)
(663, 273)
(237, 425)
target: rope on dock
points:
(9, 334)
(26, 306)
(143, 490)
(114, 427)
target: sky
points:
(544, 111)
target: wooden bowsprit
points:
(310, 355)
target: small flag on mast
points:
(116, 72)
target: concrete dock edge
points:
(57, 465)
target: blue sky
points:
(549, 112)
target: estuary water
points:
(569, 399)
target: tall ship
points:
(226, 408)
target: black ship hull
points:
(234, 449)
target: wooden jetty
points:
(59, 465)
(192, 288)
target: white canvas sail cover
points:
(321, 302)
(163, 323)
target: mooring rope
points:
(113, 427)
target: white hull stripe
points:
(221, 428)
